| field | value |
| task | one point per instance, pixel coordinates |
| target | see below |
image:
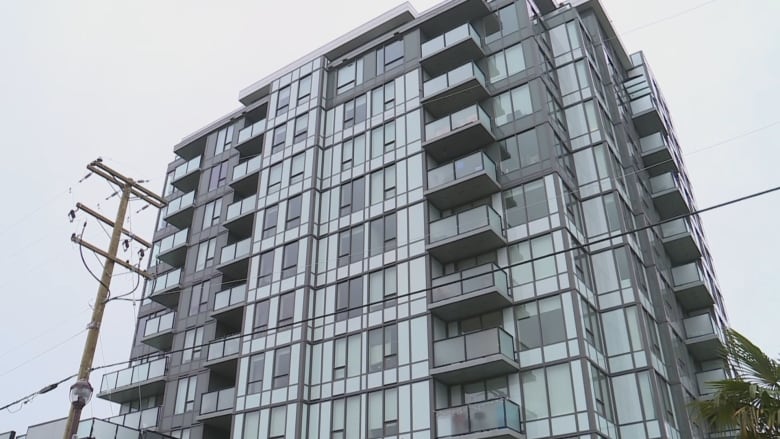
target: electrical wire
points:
(46, 351)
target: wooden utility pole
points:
(128, 187)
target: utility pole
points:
(128, 187)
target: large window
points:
(206, 252)
(353, 196)
(355, 111)
(383, 139)
(294, 212)
(350, 246)
(193, 343)
(502, 23)
(275, 178)
(520, 151)
(301, 128)
(290, 260)
(261, 316)
(349, 298)
(345, 424)
(224, 140)
(297, 168)
(526, 203)
(304, 89)
(185, 395)
(278, 422)
(283, 100)
(349, 76)
(540, 323)
(384, 233)
(383, 348)
(281, 376)
(532, 263)
(383, 413)
(266, 269)
(512, 104)
(552, 384)
(270, 219)
(218, 175)
(199, 298)
(353, 152)
(256, 369)
(505, 63)
(382, 288)
(383, 184)
(389, 56)
(286, 309)
(346, 357)
(280, 134)
(211, 213)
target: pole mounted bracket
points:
(92, 325)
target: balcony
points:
(142, 420)
(657, 154)
(234, 259)
(474, 356)
(462, 181)
(172, 249)
(704, 337)
(250, 139)
(229, 306)
(465, 234)
(186, 175)
(679, 242)
(238, 219)
(470, 292)
(497, 418)
(458, 134)
(190, 150)
(668, 196)
(158, 331)
(164, 289)
(216, 408)
(223, 355)
(454, 90)
(139, 381)
(451, 49)
(246, 175)
(703, 379)
(179, 211)
(645, 108)
(691, 287)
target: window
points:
(206, 251)
(294, 212)
(353, 152)
(184, 433)
(281, 368)
(278, 422)
(350, 246)
(382, 348)
(199, 298)
(290, 260)
(218, 176)
(304, 89)
(266, 269)
(383, 233)
(286, 309)
(601, 394)
(383, 185)
(275, 178)
(185, 395)
(269, 221)
(383, 413)
(353, 197)
(193, 343)
(296, 171)
(349, 299)
(590, 320)
(346, 357)
(479, 391)
(389, 95)
(389, 56)
(513, 104)
(211, 213)
(502, 22)
(261, 315)
(531, 261)
(519, 151)
(283, 100)
(345, 425)
(526, 203)
(377, 101)
(540, 323)
(280, 135)
(355, 111)
(256, 369)
(224, 140)
(301, 128)
(382, 288)
(349, 76)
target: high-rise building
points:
(443, 224)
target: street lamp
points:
(80, 394)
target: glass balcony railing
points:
(180, 203)
(450, 38)
(653, 142)
(228, 298)
(166, 280)
(478, 417)
(687, 274)
(705, 379)
(246, 168)
(473, 346)
(469, 281)
(171, 242)
(235, 251)
(186, 168)
(462, 168)
(224, 347)
(143, 419)
(664, 182)
(251, 131)
(159, 324)
(674, 229)
(701, 326)
(453, 77)
(447, 124)
(217, 401)
(240, 208)
(464, 222)
(134, 375)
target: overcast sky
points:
(127, 80)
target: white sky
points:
(127, 80)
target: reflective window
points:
(261, 315)
(224, 140)
(383, 348)
(211, 213)
(256, 370)
(382, 288)
(350, 246)
(383, 234)
(193, 343)
(301, 128)
(283, 100)
(304, 89)
(286, 309)
(349, 299)
(352, 196)
(296, 171)
(511, 105)
(294, 212)
(280, 134)
(389, 56)
(185, 395)
(349, 76)
(218, 175)
(281, 376)
(269, 221)
(206, 252)
(290, 260)
(275, 178)
(199, 298)
(266, 268)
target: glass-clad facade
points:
(470, 222)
